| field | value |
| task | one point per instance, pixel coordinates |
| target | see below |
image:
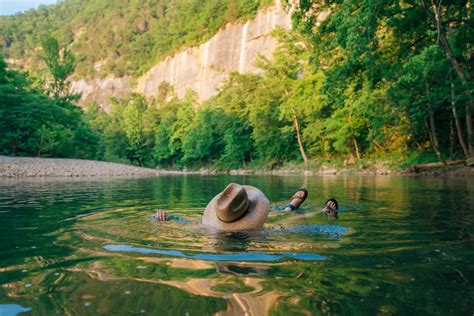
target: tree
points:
(441, 15)
(34, 124)
(287, 66)
(372, 44)
(60, 63)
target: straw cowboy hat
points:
(237, 208)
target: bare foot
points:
(296, 200)
(161, 215)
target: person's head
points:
(237, 208)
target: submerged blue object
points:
(171, 218)
(243, 256)
(12, 309)
(328, 230)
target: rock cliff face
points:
(203, 68)
(99, 90)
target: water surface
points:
(401, 246)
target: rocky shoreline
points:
(26, 167)
(456, 171)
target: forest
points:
(374, 80)
(119, 37)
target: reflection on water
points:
(241, 257)
(12, 309)
(402, 246)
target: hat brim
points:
(253, 219)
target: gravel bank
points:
(19, 167)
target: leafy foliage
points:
(34, 124)
(352, 80)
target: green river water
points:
(401, 246)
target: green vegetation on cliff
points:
(120, 36)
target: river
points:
(401, 246)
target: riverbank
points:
(374, 169)
(26, 167)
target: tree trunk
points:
(300, 143)
(431, 165)
(451, 139)
(41, 142)
(356, 146)
(470, 136)
(469, 107)
(467, 93)
(432, 129)
(377, 145)
(434, 139)
(458, 123)
(444, 44)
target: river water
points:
(401, 246)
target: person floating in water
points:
(245, 208)
(237, 208)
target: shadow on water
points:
(402, 246)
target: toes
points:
(161, 215)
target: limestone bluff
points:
(202, 68)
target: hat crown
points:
(232, 203)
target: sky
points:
(8, 7)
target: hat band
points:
(227, 220)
